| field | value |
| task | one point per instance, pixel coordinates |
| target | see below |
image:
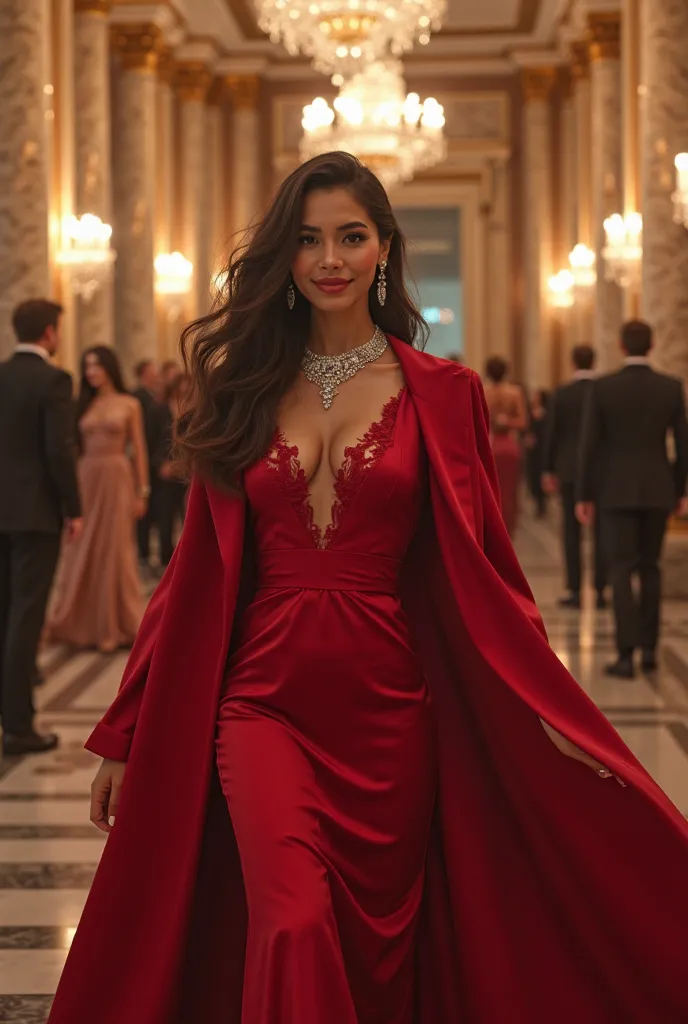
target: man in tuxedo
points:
(148, 394)
(38, 492)
(560, 464)
(627, 421)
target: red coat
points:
(551, 894)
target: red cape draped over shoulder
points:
(551, 894)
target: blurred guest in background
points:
(625, 471)
(455, 357)
(560, 464)
(534, 444)
(172, 489)
(508, 419)
(99, 602)
(38, 493)
(149, 393)
(171, 369)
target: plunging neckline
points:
(359, 459)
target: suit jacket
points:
(477, 634)
(627, 422)
(564, 425)
(38, 482)
(154, 426)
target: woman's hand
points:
(140, 508)
(105, 792)
(569, 749)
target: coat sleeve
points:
(496, 542)
(113, 735)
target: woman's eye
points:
(355, 237)
(306, 239)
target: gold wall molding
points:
(537, 83)
(244, 90)
(138, 46)
(566, 82)
(192, 81)
(580, 61)
(92, 7)
(167, 66)
(604, 35)
(217, 93)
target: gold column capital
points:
(167, 66)
(604, 35)
(192, 81)
(537, 83)
(566, 82)
(243, 90)
(217, 93)
(580, 61)
(92, 6)
(137, 46)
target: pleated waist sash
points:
(328, 569)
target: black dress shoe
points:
(649, 661)
(572, 601)
(29, 743)
(601, 604)
(622, 668)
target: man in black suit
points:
(627, 422)
(38, 491)
(148, 394)
(560, 465)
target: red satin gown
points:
(325, 739)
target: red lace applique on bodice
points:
(358, 461)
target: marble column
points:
(537, 86)
(217, 179)
(135, 183)
(93, 151)
(583, 311)
(607, 175)
(193, 81)
(664, 36)
(24, 175)
(567, 235)
(498, 259)
(246, 171)
(166, 212)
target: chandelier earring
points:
(291, 295)
(382, 283)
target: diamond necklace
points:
(328, 372)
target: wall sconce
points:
(560, 288)
(623, 253)
(582, 261)
(680, 196)
(87, 257)
(173, 281)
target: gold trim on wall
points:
(92, 6)
(192, 80)
(580, 60)
(244, 90)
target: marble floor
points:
(49, 851)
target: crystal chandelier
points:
(394, 134)
(582, 265)
(680, 196)
(340, 36)
(623, 253)
(87, 258)
(560, 287)
(173, 281)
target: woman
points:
(98, 598)
(171, 489)
(328, 794)
(534, 444)
(508, 417)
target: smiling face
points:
(339, 251)
(94, 372)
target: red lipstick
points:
(332, 285)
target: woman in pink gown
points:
(333, 780)
(508, 417)
(98, 600)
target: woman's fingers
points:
(100, 802)
(114, 801)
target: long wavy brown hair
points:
(245, 356)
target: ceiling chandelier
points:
(394, 134)
(340, 36)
